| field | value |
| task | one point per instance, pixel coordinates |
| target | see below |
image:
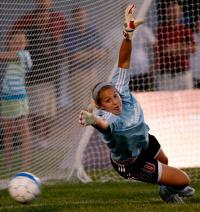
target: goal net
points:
(73, 45)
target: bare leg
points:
(162, 157)
(23, 128)
(8, 141)
(174, 185)
(173, 182)
(173, 177)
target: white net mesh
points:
(66, 64)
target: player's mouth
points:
(117, 110)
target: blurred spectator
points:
(142, 78)
(14, 98)
(195, 58)
(43, 16)
(190, 9)
(191, 12)
(64, 101)
(44, 28)
(83, 55)
(175, 44)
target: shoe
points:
(168, 196)
(188, 191)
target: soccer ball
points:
(24, 187)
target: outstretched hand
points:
(86, 118)
(130, 22)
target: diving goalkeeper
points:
(135, 154)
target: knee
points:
(187, 179)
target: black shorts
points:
(145, 168)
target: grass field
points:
(103, 197)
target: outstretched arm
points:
(87, 118)
(8, 55)
(125, 54)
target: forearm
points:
(125, 54)
(101, 124)
(130, 25)
(7, 55)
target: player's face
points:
(18, 42)
(111, 101)
(44, 4)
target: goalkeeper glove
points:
(130, 23)
(86, 118)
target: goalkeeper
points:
(135, 154)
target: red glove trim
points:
(132, 24)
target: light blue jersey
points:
(128, 132)
(14, 79)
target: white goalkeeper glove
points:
(130, 23)
(86, 118)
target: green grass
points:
(102, 197)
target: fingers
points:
(130, 23)
(90, 108)
(131, 9)
(86, 118)
(81, 119)
(138, 22)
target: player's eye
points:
(107, 100)
(115, 95)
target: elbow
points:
(124, 65)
